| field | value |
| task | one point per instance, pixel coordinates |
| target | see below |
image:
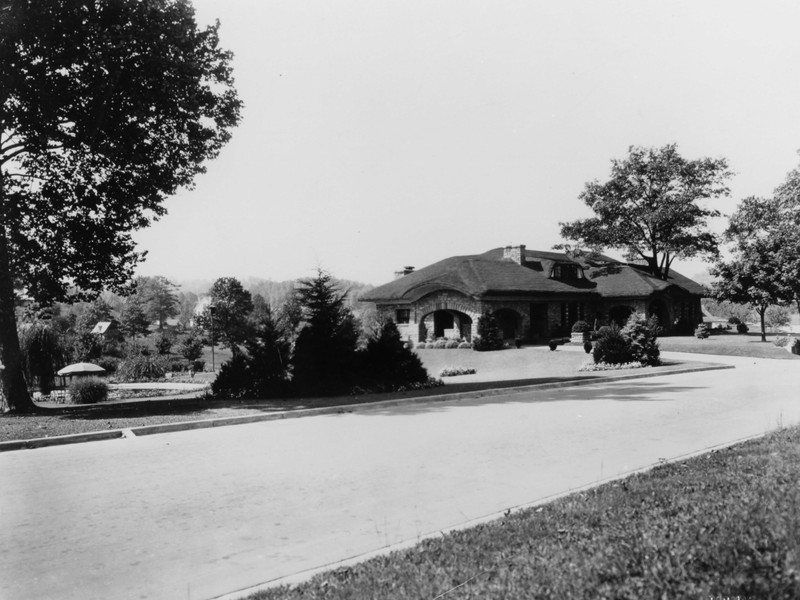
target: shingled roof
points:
(489, 274)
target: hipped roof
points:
(489, 274)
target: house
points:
(535, 295)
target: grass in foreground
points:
(722, 525)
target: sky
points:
(378, 134)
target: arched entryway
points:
(508, 321)
(451, 324)
(619, 314)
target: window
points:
(403, 316)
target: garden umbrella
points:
(81, 368)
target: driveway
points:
(201, 513)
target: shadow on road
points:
(643, 391)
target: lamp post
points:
(211, 309)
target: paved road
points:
(200, 513)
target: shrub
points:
(192, 346)
(422, 346)
(776, 317)
(234, 379)
(641, 334)
(587, 347)
(386, 364)
(612, 347)
(782, 340)
(794, 346)
(702, 331)
(177, 365)
(163, 342)
(439, 344)
(109, 363)
(465, 346)
(552, 344)
(88, 390)
(198, 365)
(601, 366)
(142, 367)
(742, 328)
(451, 344)
(734, 320)
(454, 371)
(489, 335)
(581, 327)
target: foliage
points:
(325, 350)
(642, 336)
(87, 390)
(42, 355)
(742, 328)
(386, 363)
(755, 274)
(263, 370)
(108, 108)
(601, 366)
(612, 347)
(702, 331)
(85, 347)
(191, 348)
(455, 371)
(159, 297)
(649, 207)
(581, 327)
(587, 347)
(777, 317)
(226, 319)
(725, 309)
(465, 346)
(782, 340)
(163, 342)
(489, 335)
(133, 317)
(143, 367)
(734, 320)
(553, 345)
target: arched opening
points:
(451, 324)
(620, 314)
(509, 322)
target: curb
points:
(331, 410)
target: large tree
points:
(761, 271)
(226, 318)
(159, 297)
(650, 207)
(325, 350)
(107, 107)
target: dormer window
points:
(567, 272)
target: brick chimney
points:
(515, 253)
(404, 272)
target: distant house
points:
(535, 295)
(106, 328)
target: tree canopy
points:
(762, 271)
(227, 317)
(106, 109)
(650, 207)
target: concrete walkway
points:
(201, 513)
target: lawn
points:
(722, 525)
(728, 344)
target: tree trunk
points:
(762, 310)
(12, 380)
